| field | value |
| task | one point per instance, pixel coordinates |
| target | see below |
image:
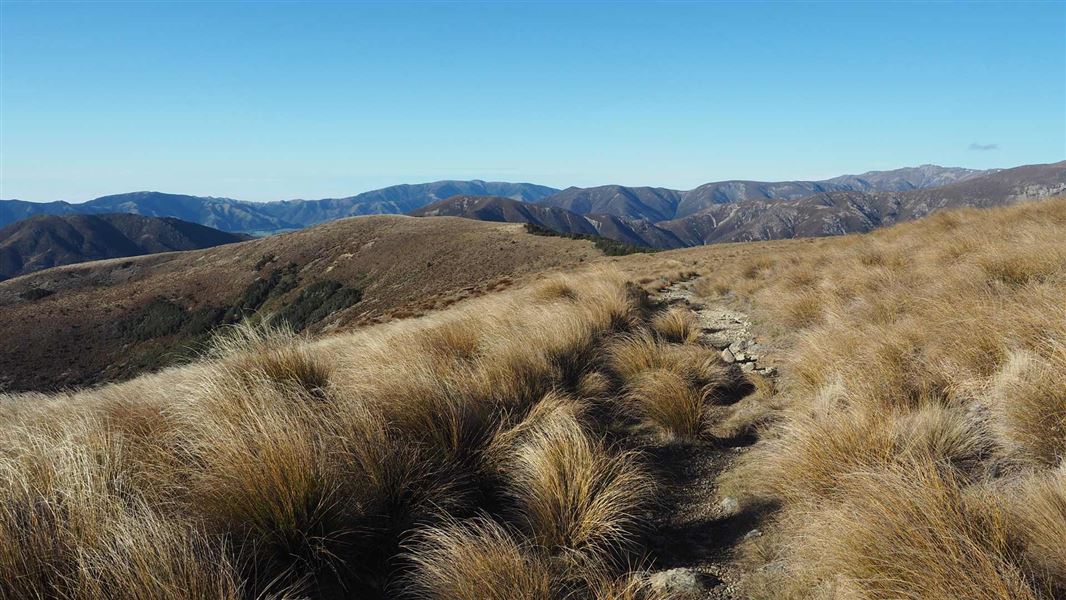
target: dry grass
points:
(674, 388)
(1040, 522)
(677, 325)
(912, 532)
(919, 445)
(663, 397)
(458, 455)
(1028, 398)
(474, 561)
(574, 497)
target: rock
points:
(767, 371)
(728, 506)
(754, 533)
(682, 583)
(728, 356)
(740, 356)
(747, 367)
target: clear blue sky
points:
(272, 100)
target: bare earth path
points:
(700, 527)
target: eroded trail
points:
(700, 527)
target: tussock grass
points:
(1028, 398)
(663, 397)
(1040, 520)
(676, 325)
(674, 388)
(574, 497)
(459, 455)
(917, 446)
(913, 532)
(477, 560)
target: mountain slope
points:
(653, 204)
(730, 218)
(661, 204)
(506, 210)
(840, 212)
(17, 210)
(47, 241)
(490, 208)
(108, 320)
(907, 178)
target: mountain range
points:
(723, 211)
(228, 214)
(46, 241)
(760, 217)
(648, 203)
(662, 204)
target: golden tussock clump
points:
(1028, 400)
(574, 497)
(476, 560)
(674, 388)
(677, 325)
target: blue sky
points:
(273, 100)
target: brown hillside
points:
(107, 320)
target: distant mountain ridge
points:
(649, 203)
(753, 219)
(46, 241)
(232, 215)
(661, 204)
(637, 232)
(840, 212)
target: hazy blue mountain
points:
(45, 241)
(228, 214)
(766, 211)
(399, 199)
(16, 210)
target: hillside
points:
(913, 446)
(662, 204)
(506, 210)
(228, 214)
(836, 213)
(635, 232)
(652, 204)
(47, 241)
(108, 320)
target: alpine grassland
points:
(493, 450)
(915, 447)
